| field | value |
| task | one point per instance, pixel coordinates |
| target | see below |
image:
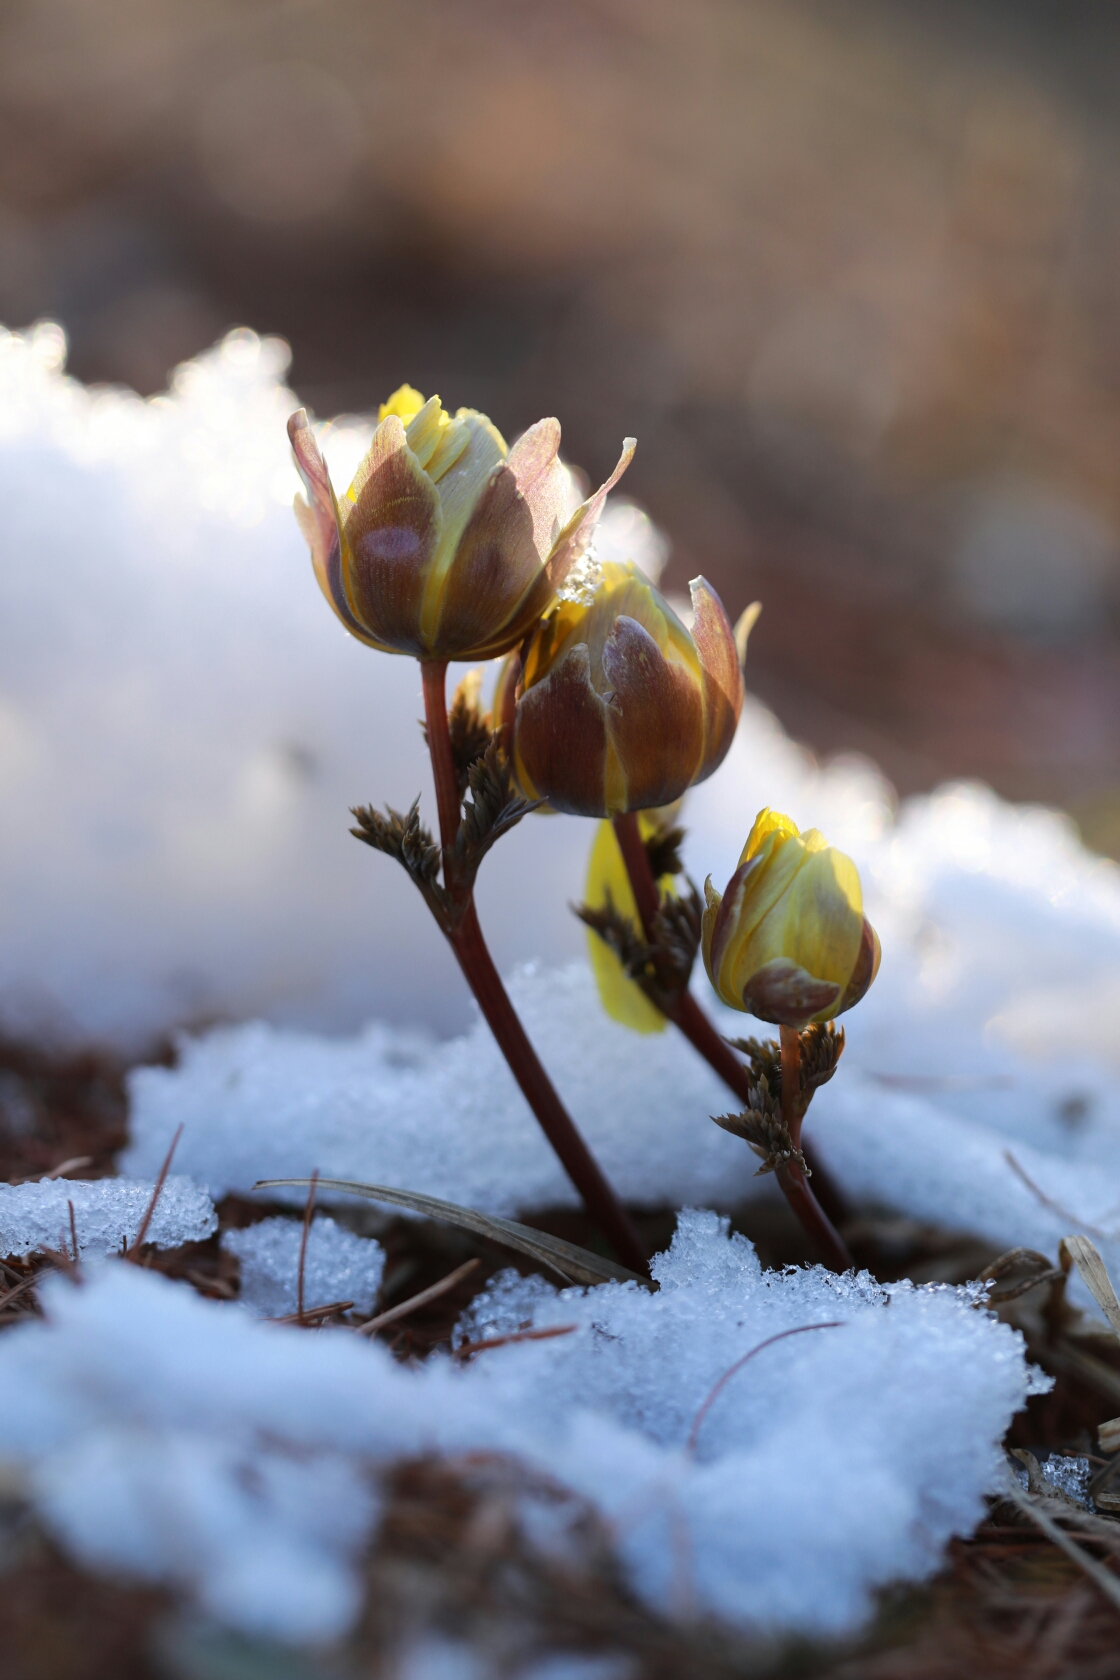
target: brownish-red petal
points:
(655, 720)
(782, 992)
(391, 533)
(318, 519)
(560, 739)
(867, 967)
(721, 673)
(575, 539)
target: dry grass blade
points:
(1086, 1257)
(718, 1388)
(432, 1293)
(73, 1231)
(1040, 1195)
(1101, 1577)
(134, 1252)
(570, 1262)
(306, 1232)
(21, 1289)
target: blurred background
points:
(847, 269)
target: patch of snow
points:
(338, 1266)
(184, 726)
(987, 1049)
(179, 1440)
(108, 1213)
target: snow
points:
(338, 1266)
(178, 1440)
(108, 1213)
(184, 726)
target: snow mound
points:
(338, 1266)
(108, 1213)
(973, 1092)
(180, 1441)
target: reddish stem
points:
(485, 982)
(687, 1014)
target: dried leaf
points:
(570, 1262)
(1086, 1257)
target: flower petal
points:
(497, 588)
(621, 997)
(560, 741)
(782, 992)
(721, 674)
(575, 539)
(655, 720)
(391, 524)
(319, 522)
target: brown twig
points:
(686, 1013)
(312, 1313)
(468, 1348)
(732, 1370)
(485, 982)
(134, 1252)
(432, 1293)
(73, 1230)
(305, 1233)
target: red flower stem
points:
(485, 982)
(687, 1014)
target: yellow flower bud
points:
(788, 941)
(446, 545)
(619, 707)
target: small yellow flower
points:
(619, 706)
(446, 545)
(788, 941)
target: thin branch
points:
(468, 1348)
(134, 1252)
(432, 1293)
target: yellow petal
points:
(622, 998)
(405, 402)
(767, 822)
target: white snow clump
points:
(338, 1266)
(180, 1441)
(108, 1213)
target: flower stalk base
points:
(465, 937)
(685, 1013)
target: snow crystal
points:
(179, 1440)
(338, 1266)
(108, 1213)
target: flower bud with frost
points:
(619, 706)
(446, 545)
(788, 941)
